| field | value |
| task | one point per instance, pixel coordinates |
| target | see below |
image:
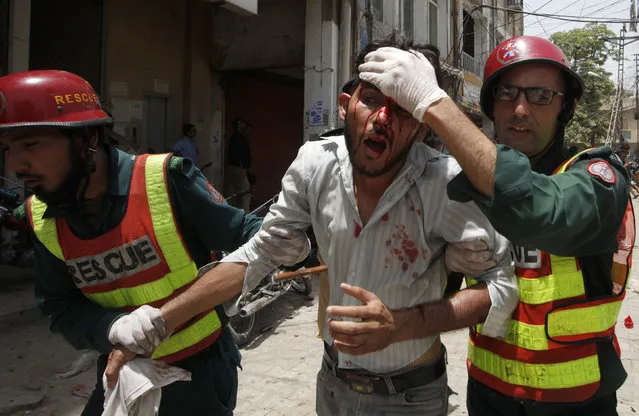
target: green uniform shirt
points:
(205, 224)
(573, 214)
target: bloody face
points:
(379, 133)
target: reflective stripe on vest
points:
(568, 374)
(548, 288)
(182, 269)
(44, 228)
(539, 359)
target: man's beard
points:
(373, 173)
(67, 192)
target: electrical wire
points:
(556, 26)
(565, 7)
(568, 18)
(539, 21)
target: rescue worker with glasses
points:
(568, 217)
(114, 232)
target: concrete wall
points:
(161, 48)
(18, 61)
(421, 24)
(272, 39)
(199, 82)
(18, 54)
(19, 35)
(321, 62)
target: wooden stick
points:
(300, 272)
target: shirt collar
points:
(409, 173)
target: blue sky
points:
(596, 9)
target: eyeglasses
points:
(534, 95)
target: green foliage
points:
(587, 51)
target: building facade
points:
(279, 64)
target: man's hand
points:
(141, 331)
(469, 257)
(406, 77)
(118, 357)
(374, 332)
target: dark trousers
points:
(484, 401)
(211, 391)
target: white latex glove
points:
(406, 77)
(140, 332)
(469, 257)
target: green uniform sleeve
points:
(575, 213)
(221, 227)
(83, 324)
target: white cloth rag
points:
(139, 388)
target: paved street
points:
(279, 366)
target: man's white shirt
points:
(398, 254)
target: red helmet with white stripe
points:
(524, 50)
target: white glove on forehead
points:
(140, 332)
(406, 77)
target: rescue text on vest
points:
(115, 263)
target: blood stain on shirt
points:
(403, 248)
(358, 229)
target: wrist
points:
(435, 110)
(171, 317)
(407, 322)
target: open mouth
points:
(375, 146)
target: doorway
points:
(273, 105)
(74, 46)
(155, 124)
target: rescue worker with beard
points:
(114, 232)
(568, 217)
(378, 207)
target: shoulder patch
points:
(603, 171)
(217, 197)
(175, 163)
(20, 213)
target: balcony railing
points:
(471, 64)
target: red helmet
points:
(48, 98)
(524, 50)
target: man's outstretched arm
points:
(213, 287)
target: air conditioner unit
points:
(515, 4)
(243, 7)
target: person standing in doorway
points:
(187, 146)
(239, 162)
